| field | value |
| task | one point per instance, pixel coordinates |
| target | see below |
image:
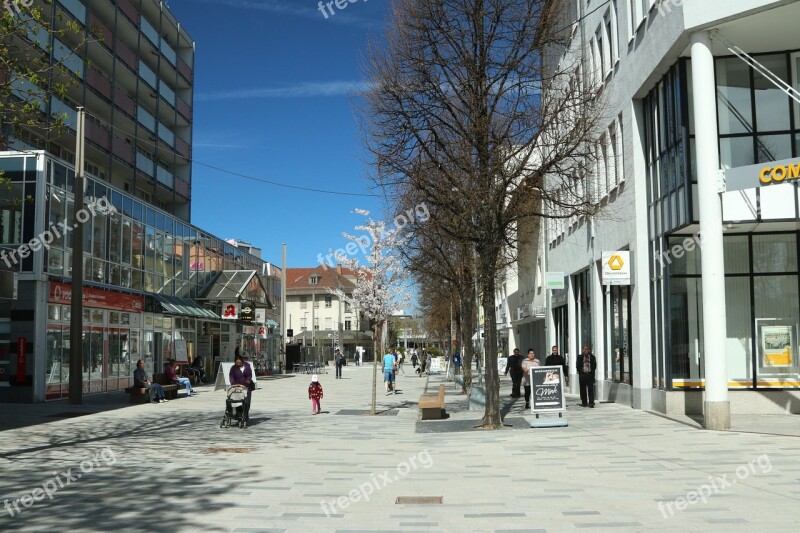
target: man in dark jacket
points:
(514, 366)
(556, 359)
(586, 365)
(142, 380)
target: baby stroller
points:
(237, 408)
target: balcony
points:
(185, 70)
(103, 31)
(121, 149)
(182, 147)
(124, 102)
(98, 82)
(184, 109)
(126, 7)
(125, 54)
(97, 134)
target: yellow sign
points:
(616, 262)
(778, 173)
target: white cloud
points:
(300, 90)
(291, 8)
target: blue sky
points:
(275, 88)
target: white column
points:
(572, 329)
(640, 352)
(598, 331)
(717, 406)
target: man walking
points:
(586, 366)
(556, 359)
(338, 358)
(514, 366)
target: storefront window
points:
(775, 253)
(777, 317)
(686, 326)
(739, 328)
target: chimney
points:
(339, 268)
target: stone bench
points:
(431, 406)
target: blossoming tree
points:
(381, 285)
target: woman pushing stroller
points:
(242, 375)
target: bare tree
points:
(467, 88)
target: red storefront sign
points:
(61, 293)
(21, 346)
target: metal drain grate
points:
(418, 500)
(228, 450)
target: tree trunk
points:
(374, 368)
(486, 266)
(468, 308)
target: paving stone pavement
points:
(170, 467)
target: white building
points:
(318, 317)
(681, 107)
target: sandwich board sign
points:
(547, 395)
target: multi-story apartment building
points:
(319, 317)
(135, 78)
(154, 285)
(710, 319)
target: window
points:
(316, 304)
(348, 325)
(633, 19)
(612, 36)
(328, 301)
(303, 324)
(329, 323)
(316, 323)
(303, 302)
(313, 280)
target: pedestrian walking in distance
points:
(586, 366)
(315, 394)
(338, 358)
(527, 364)
(556, 359)
(514, 366)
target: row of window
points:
(328, 303)
(348, 324)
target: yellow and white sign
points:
(616, 268)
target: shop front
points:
(111, 339)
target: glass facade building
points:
(758, 123)
(148, 280)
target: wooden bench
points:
(431, 406)
(138, 394)
(170, 389)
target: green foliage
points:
(26, 49)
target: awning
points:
(183, 306)
(238, 285)
(271, 323)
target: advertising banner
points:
(547, 389)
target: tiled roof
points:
(298, 278)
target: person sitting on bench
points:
(197, 368)
(172, 376)
(142, 380)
